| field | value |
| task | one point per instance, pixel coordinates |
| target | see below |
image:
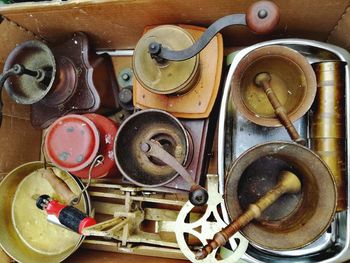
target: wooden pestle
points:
(263, 80)
(288, 184)
(60, 187)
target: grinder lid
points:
(159, 77)
(72, 142)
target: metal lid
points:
(72, 142)
(159, 77)
(107, 131)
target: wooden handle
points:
(60, 187)
(263, 80)
(262, 17)
(288, 183)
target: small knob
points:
(125, 95)
(125, 76)
(263, 17)
(154, 48)
(198, 195)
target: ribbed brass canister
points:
(327, 122)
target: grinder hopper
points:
(29, 73)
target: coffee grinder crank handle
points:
(198, 195)
(261, 18)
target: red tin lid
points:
(107, 130)
(72, 142)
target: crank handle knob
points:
(262, 17)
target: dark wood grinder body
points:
(84, 83)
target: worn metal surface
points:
(306, 216)
(262, 17)
(263, 80)
(328, 112)
(288, 183)
(198, 102)
(334, 245)
(147, 125)
(159, 50)
(292, 80)
(208, 227)
(159, 77)
(153, 149)
(25, 233)
(33, 55)
(327, 122)
(127, 226)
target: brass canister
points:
(327, 122)
(332, 151)
(328, 111)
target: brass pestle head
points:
(290, 182)
(261, 78)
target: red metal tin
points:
(74, 141)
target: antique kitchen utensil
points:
(73, 142)
(29, 73)
(26, 235)
(327, 122)
(136, 220)
(292, 80)
(237, 134)
(302, 217)
(152, 148)
(263, 80)
(287, 184)
(65, 78)
(187, 89)
(208, 227)
(165, 50)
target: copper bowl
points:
(292, 79)
(294, 220)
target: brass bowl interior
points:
(33, 55)
(261, 176)
(28, 244)
(145, 125)
(292, 80)
(301, 217)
